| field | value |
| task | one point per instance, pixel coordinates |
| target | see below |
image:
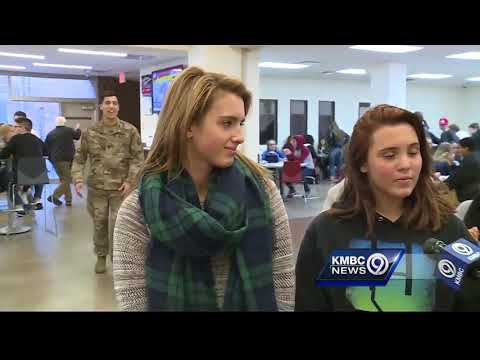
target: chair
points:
(11, 228)
(33, 171)
(292, 173)
(462, 209)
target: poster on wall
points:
(147, 90)
(161, 80)
(147, 85)
(147, 105)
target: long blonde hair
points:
(442, 149)
(188, 99)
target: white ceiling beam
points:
(164, 47)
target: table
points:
(277, 168)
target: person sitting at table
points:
(6, 133)
(323, 158)
(22, 145)
(465, 179)
(443, 159)
(295, 150)
(272, 154)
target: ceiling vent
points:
(140, 57)
(309, 62)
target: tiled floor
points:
(40, 271)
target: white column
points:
(243, 65)
(251, 79)
(217, 58)
(389, 84)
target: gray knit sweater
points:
(131, 237)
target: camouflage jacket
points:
(115, 154)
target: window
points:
(326, 115)
(362, 107)
(3, 99)
(268, 120)
(24, 86)
(298, 117)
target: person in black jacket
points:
(449, 132)
(389, 201)
(25, 145)
(465, 179)
(61, 150)
(473, 129)
(428, 133)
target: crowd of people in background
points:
(455, 160)
(115, 153)
(324, 162)
(19, 141)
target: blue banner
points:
(359, 267)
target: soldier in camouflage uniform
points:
(116, 156)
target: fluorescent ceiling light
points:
(13, 67)
(473, 78)
(26, 56)
(353, 71)
(397, 49)
(90, 52)
(274, 65)
(64, 66)
(429, 76)
(472, 55)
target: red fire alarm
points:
(121, 77)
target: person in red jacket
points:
(295, 150)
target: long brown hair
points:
(188, 99)
(424, 209)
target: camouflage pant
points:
(103, 205)
(63, 169)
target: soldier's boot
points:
(101, 265)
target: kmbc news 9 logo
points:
(360, 267)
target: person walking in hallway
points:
(116, 156)
(61, 150)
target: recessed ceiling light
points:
(14, 67)
(275, 65)
(472, 55)
(26, 56)
(64, 66)
(353, 71)
(473, 78)
(91, 52)
(397, 49)
(429, 76)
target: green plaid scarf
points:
(236, 221)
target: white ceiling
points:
(336, 57)
(102, 65)
(326, 57)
